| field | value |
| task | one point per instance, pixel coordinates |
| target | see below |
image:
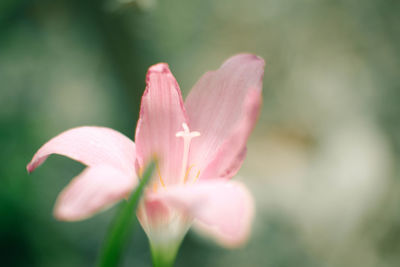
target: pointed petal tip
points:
(159, 68)
(252, 56)
(61, 213)
(30, 168)
(247, 57)
(33, 164)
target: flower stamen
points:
(159, 175)
(187, 136)
(187, 173)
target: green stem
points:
(163, 255)
(123, 223)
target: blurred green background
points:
(323, 161)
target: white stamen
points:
(187, 136)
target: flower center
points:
(187, 136)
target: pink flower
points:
(200, 145)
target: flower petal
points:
(95, 189)
(161, 116)
(221, 209)
(91, 146)
(231, 153)
(161, 223)
(215, 107)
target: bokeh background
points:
(323, 161)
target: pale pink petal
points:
(153, 214)
(222, 209)
(231, 153)
(95, 189)
(215, 107)
(91, 146)
(161, 116)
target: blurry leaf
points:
(8, 8)
(122, 225)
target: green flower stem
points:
(164, 255)
(123, 223)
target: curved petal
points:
(161, 116)
(231, 153)
(95, 189)
(90, 146)
(223, 210)
(215, 107)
